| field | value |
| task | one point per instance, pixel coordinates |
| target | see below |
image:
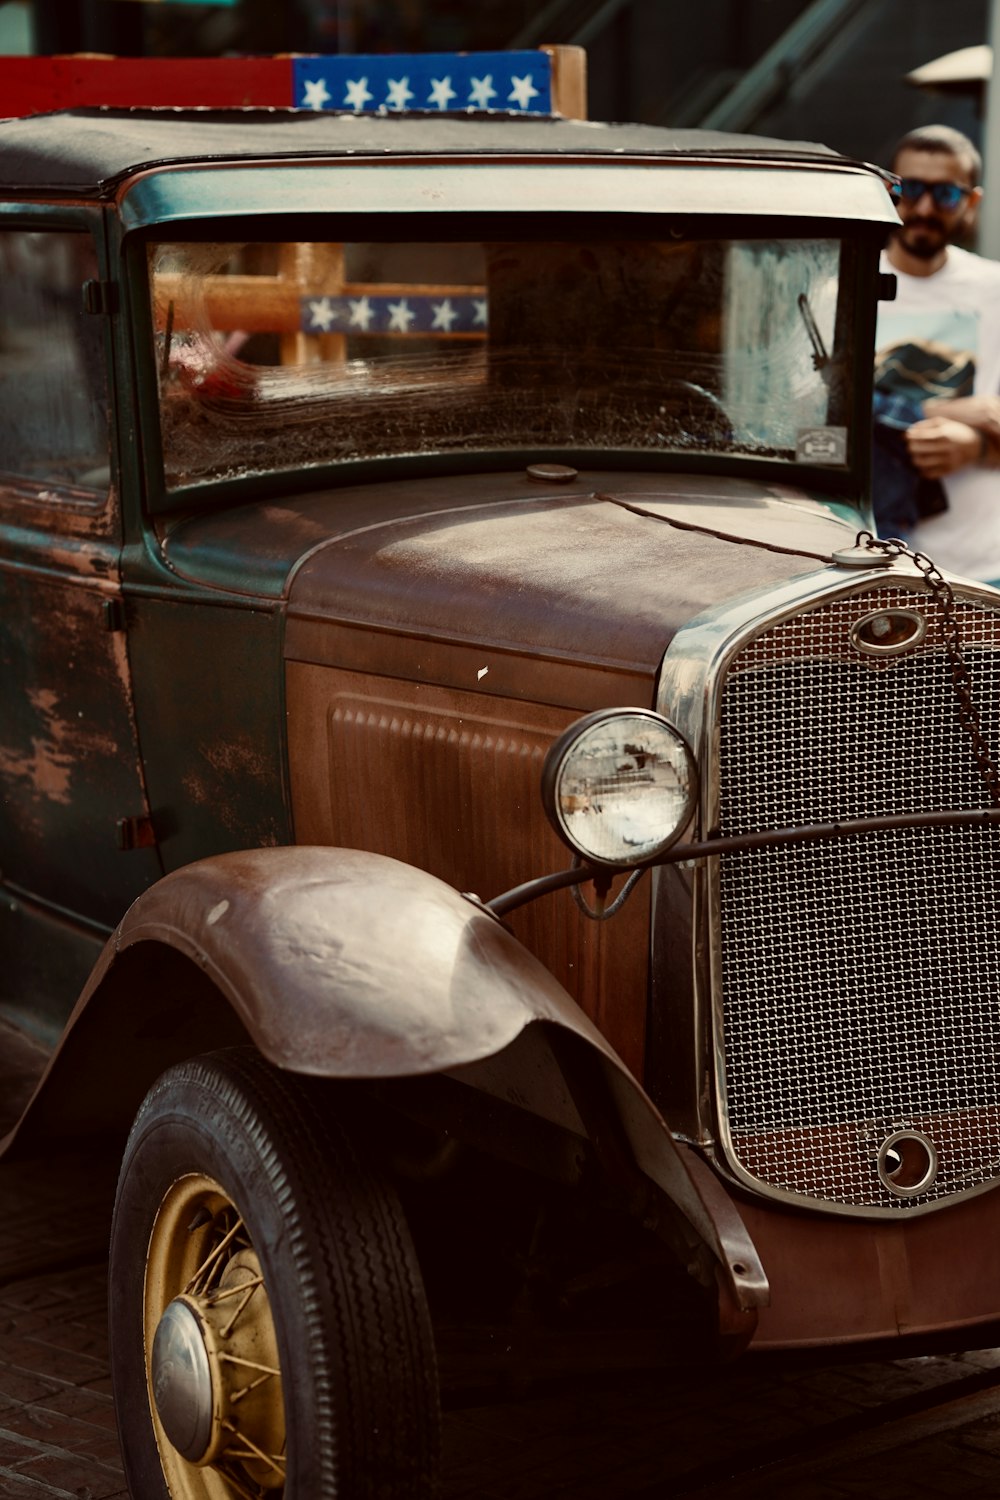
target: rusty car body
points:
(348, 465)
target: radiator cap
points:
(861, 557)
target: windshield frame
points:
(859, 263)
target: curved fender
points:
(341, 963)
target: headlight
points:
(619, 786)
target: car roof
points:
(91, 151)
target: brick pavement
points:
(57, 1428)
(631, 1437)
(654, 1437)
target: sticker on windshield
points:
(821, 445)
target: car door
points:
(75, 834)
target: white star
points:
(444, 315)
(479, 317)
(441, 92)
(356, 93)
(400, 93)
(523, 90)
(400, 316)
(315, 93)
(321, 314)
(362, 312)
(482, 91)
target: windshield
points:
(275, 357)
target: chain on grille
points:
(860, 987)
(961, 677)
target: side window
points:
(53, 382)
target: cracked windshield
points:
(275, 357)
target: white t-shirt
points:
(955, 313)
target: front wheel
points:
(269, 1334)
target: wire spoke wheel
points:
(206, 1307)
(269, 1334)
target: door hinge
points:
(136, 833)
(100, 297)
(887, 285)
(113, 611)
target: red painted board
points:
(34, 85)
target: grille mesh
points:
(859, 979)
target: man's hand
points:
(940, 445)
(981, 412)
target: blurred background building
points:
(827, 70)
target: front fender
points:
(332, 962)
(344, 964)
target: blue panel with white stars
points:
(451, 82)
(394, 314)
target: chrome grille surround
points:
(854, 987)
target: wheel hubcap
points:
(182, 1381)
(213, 1368)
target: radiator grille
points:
(859, 980)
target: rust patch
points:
(46, 771)
(237, 758)
(118, 651)
(224, 766)
(201, 794)
(86, 560)
(308, 528)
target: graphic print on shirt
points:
(926, 355)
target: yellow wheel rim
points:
(201, 1265)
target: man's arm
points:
(938, 446)
(956, 432)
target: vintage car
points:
(484, 824)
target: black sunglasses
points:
(947, 195)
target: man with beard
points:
(937, 374)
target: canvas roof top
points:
(89, 150)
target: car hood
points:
(453, 579)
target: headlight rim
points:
(555, 759)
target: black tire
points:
(340, 1279)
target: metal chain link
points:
(968, 711)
